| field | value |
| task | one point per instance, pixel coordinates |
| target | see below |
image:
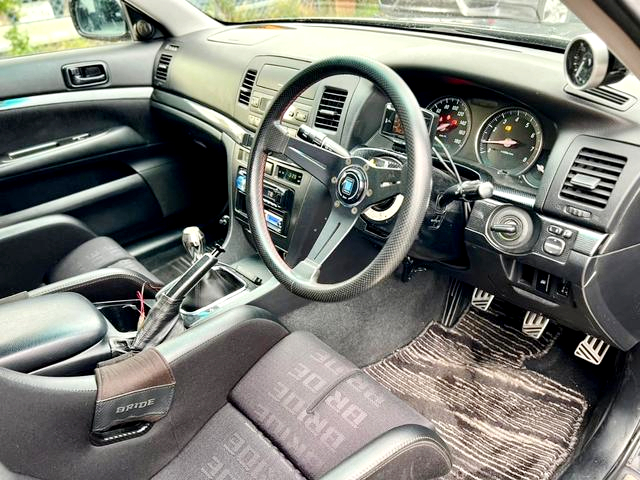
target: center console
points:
(58, 334)
(286, 187)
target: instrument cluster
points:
(506, 140)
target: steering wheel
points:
(354, 183)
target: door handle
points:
(87, 74)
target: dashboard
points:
(564, 160)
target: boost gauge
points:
(454, 123)
(586, 61)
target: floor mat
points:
(168, 264)
(500, 420)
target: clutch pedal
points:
(534, 324)
(481, 299)
(592, 350)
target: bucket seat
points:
(58, 253)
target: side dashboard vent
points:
(330, 108)
(247, 86)
(606, 96)
(592, 177)
(162, 70)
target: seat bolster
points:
(103, 285)
(407, 452)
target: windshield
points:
(545, 22)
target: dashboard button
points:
(555, 229)
(554, 246)
(577, 212)
(567, 234)
(302, 115)
(543, 282)
(564, 288)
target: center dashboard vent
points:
(592, 177)
(244, 97)
(330, 108)
(162, 69)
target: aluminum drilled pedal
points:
(592, 350)
(482, 299)
(534, 324)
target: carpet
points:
(501, 420)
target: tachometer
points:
(454, 123)
(510, 140)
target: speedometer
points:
(454, 123)
(510, 140)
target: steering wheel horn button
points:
(351, 185)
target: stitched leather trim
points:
(141, 387)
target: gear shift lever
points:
(194, 242)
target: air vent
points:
(593, 177)
(610, 95)
(605, 95)
(330, 108)
(247, 86)
(162, 70)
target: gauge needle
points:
(581, 67)
(507, 142)
(442, 127)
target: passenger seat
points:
(58, 253)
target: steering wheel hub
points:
(351, 185)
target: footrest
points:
(481, 299)
(592, 350)
(534, 324)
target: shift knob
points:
(194, 242)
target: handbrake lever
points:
(165, 313)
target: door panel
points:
(129, 64)
(97, 153)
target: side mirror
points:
(99, 19)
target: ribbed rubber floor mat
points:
(500, 420)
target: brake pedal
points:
(534, 324)
(592, 350)
(482, 299)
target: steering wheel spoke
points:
(320, 162)
(384, 183)
(339, 223)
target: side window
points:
(37, 26)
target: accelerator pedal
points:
(534, 324)
(481, 299)
(592, 350)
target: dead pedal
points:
(592, 350)
(534, 324)
(481, 299)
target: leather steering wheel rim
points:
(416, 183)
